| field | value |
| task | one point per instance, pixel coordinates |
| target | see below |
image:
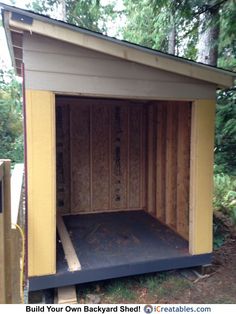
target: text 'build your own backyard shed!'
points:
(119, 153)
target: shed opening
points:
(123, 184)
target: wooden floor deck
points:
(118, 244)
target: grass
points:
(165, 284)
(120, 290)
(153, 282)
(174, 286)
(151, 287)
(220, 300)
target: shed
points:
(119, 153)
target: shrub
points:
(225, 195)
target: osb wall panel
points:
(99, 146)
(63, 158)
(107, 157)
(119, 143)
(80, 158)
(135, 161)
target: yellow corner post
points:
(201, 176)
(41, 172)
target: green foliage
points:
(219, 236)
(142, 24)
(11, 128)
(225, 195)
(227, 40)
(149, 22)
(89, 14)
(225, 140)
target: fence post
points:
(7, 227)
(5, 232)
(17, 261)
(2, 242)
(15, 266)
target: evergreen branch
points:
(207, 8)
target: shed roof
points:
(16, 21)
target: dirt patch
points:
(220, 286)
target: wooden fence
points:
(11, 233)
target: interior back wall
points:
(124, 155)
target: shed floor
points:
(118, 244)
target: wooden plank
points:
(16, 250)
(119, 159)
(41, 171)
(110, 156)
(80, 157)
(128, 156)
(16, 191)
(110, 210)
(1, 169)
(7, 228)
(100, 160)
(66, 295)
(151, 151)
(135, 157)
(102, 86)
(91, 154)
(63, 157)
(161, 160)
(2, 246)
(18, 53)
(16, 241)
(70, 254)
(171, 148)
(18, 64)
(17, 39)
(201, 176)
(183, 168)
(6, 265)
(143, 164)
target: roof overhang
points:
(16, 21)
(15, 43)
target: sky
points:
(5, 60)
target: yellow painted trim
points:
(158, 61)
(40, 126)
(201, 176)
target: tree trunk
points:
(63, 10)
(208, 37)
(172, 35)
(172, 40)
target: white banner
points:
(120, 308)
